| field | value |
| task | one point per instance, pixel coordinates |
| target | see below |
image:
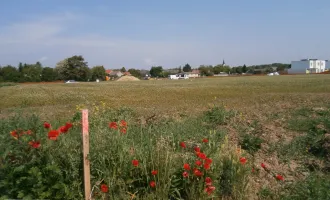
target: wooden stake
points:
(85, 141)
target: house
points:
(193, 74)
(306, 66)
(179, 76)
(127, 74)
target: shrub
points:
(217, 115)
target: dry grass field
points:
(255, 95)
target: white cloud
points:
(55, 36)
(44, 58)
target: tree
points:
(123, 69)
(206, 70)
(73, 68)
(20, 67)
(239, 70)
(244, 69)
(31, 73)
(48, 74)
(10, 74)
(98, 72)
(135, 72)
(187, 68)
(156, 71)
(180, 69)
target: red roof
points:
(108, 71)
(127, 73)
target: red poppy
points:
(135, 163)
(113, 125)
(208, 161)
(198, 173)
(152, 184)
(263, 165)
(14, 134)
(209, 189)
(185, 174)
(28, 132)
(208, 181)
(34, 144)
(123, 130)
(206, 166)
(68, 125)
(154, 172)
(202, 156)
(243, 160)
(279, 177)
(252, 170)
(53, 134)
(197, 149)
(205, 140)
(198, 163)
(183, 145)
(104, 188)
(186, 166)
(63, 129)
(123, 123)
(47, 125)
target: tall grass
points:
(54, 170)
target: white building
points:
(307, 66)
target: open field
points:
(221, 138)
(252, 95)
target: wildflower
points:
(14, 134)
(186, 166)
(152, 184)
(202, 156)
(123, 130)
(205, 140)
(185, 174)
(208, 181)
(154, 172)
(197, 149)
(104, 188)
(209, 189)
(47, 125)
(243, 160)
(183, 145)
(252, 170)
(279, 177)
(198, 163)
(113, 125)
(198, 173)
(63, 129)
(123, 123)
(28, 132)
(263, 165)
(206, 166)
(34, 144)
(208, 161)
(53, 134)
(68, 125)
(135, 163)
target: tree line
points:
(76, 68)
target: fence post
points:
(85, 141)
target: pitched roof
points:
(108, 71)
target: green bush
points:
(218, 115)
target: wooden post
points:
(85, 141)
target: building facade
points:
(307, 66)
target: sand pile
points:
(128, 78)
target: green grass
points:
(273, 119)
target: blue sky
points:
(139, 34)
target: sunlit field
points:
(254, 137)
